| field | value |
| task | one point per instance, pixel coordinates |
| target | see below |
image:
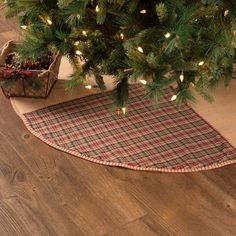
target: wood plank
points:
(26, 205)
(191, 204)
(143, 226)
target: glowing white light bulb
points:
(78, 52)
(167, 35)
(201, 63)
(97, 9)
(88, 86)
(23, 27)
(181, 77)
(49, 21)
(84, 33)
(124, 110)
(140, 49)
(174, 97)
(226, 13)
(144, 11)
(143, 81)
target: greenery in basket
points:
(189, 42)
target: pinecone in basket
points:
(42, 63)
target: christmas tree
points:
(189, 42)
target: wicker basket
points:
(45, 79)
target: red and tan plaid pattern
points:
(166, 138)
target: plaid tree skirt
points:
(159, 139)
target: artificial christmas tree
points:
(188, 42)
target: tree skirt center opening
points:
(166, 138)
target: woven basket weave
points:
(45, 79)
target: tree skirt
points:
(167, 138)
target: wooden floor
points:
(46, 192)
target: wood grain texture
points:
(47, 192)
